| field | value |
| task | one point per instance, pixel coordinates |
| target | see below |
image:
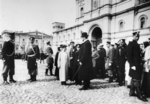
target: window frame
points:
(146, 18)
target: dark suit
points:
(86, 72)
(120, 62)
(56, 65)
(100, 62)
(8, 52)
(134, 58)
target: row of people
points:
(80, 64)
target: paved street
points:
(47, 90)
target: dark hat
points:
(10, 34)
(64, 46)
(136, 33)
(61, 46)
(108, 42)
(148, 38)
(123, 40)
(112, 45)
(116, 44)
(32, 38)
(48, 43)
(84, 34)
(72, 42)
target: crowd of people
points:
(81, 63)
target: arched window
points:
(81, 11)
(142, 21)
(94, 4)
(121, 25)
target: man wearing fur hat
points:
(8, 53)
(136, 69)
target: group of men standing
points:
(77, 63)
(8, 53)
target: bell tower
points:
(58, 26)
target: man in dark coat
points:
(85, 60)
(32, 55)
(110, 62)
(56, 64)
(8, 53)
(136, 69)
(100, 62)
(120, 58)
(49, 59)
(71, 56)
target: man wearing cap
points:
(136, 69)
(49, 59)
(8, 53)
(120, 58)
(86, 72)
(110, 61)
(32, 55)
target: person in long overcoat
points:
(100, 62)
(56, 63)
(33, 54)
(76, 65)
(86, 72)
(136, 68)
(8, 53)
(63, 65)
(49, 59)
(120, 58)
(146, 76)
(71, 53)
(95, 56)
(110, 62)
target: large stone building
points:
(106, 20)
(22, 39)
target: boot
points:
(30, 78)
(110, 79)
(46, 71)
(5, 80)
(11, 79)
(33, 78)
(132, 89)
(140, 96)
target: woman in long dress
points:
(146, 76)
(63, 64)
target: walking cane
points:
(75, 73)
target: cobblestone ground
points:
(47, 90)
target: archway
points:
(96, 36)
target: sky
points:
(31, 15)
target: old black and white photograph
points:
(74, 51)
